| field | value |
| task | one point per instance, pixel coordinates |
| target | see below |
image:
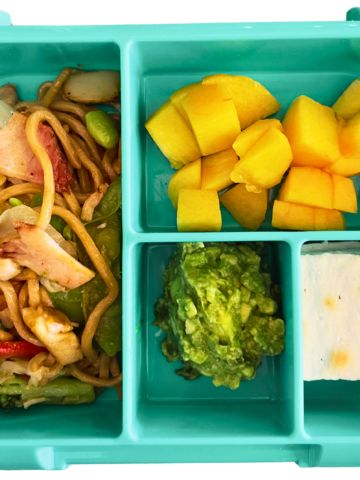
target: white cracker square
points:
(331, 316)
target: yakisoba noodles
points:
(76, 173)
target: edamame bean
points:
(15, 202)
(102, 129)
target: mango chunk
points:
(312, 131)
(212, 116)
(349, 137)
(248, 137)
(252, 101)
(216, 170)
(176, 99)
(266, 162)
(188, 176)
(198, 211)
(249, 209)
(347, 167)
(289, 216)
(349, 141)
(349, 102)
(308, 186)
(345, 198)
(329, 219)
(173, 136)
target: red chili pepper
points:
(20, 349)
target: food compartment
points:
(331, 407)
(28, 65)
(319, 68)
(169, 406)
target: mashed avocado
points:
(218, 312)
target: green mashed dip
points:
(218, 312)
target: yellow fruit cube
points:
(347, 167)
(188, 176)
(312, 131)
(177, 97)
(329, 219)
(344, 194)
(289, 216)
(216, 170)
(198, 211)
(349, 137)
(248, 137)
(349, 102)
(252, 101)
(249, 209)
(173, 136)
(266, 162)
(349, 141)
(212, 116)
(308, 186)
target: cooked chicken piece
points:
(18, 160)
(54, 330)
(8, 94)
(36, 250)
(8, 269)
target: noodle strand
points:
(69, 107)
(106, 163)
(56, 86)
(32, 126)
(96, 382)
(34, 292)
(104, 366)
(84, 180)
(13, 305)
(72, 203)
(24, 297)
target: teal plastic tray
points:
(274, 418)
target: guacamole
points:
(218, 312)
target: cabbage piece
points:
(6, 112)
(50, 286)
(92, 87)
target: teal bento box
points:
(274, 418)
